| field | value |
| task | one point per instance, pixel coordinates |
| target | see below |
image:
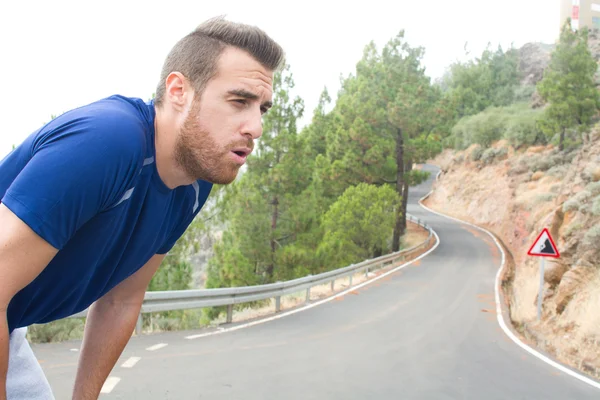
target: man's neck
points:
(164, 142)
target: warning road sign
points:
(544, 246)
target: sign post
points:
(541, 291)
(544, 246)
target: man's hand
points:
(109, 325)
(23, 256)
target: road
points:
(428, 331)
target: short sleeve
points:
(200, 194)
(79, 165)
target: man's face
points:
(219, 130)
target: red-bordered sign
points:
(544, 246)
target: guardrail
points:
(199, 298)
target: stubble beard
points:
(199, 155)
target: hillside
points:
(515, 195)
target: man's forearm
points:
(4, 346)
(108, 329)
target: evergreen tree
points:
(568, 86)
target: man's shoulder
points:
(116, 126)
(114, 113)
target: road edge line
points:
(323, 301)
(500, 318)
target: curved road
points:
(428, 331)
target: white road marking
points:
(307, 307)
(501, 322)
(74, 349)
(109, 384)
(157, 346)
(131, 362)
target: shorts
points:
(25, 379)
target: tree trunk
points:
(561, 143)
(271, 266)
(378, 252)
(405, 198)
(399, 189)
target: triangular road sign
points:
(544, 246)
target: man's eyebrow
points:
(249, 95)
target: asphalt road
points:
(428, 331)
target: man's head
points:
(216, 83)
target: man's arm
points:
(108, 328)
(23, 256)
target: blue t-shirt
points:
(87, 183)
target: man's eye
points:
(263, 110)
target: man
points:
(92, 202)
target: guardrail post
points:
(277, 303)
(138, 325)
(332, 284)
(307, 295)
(367, 272)
(229, 313)
(350, 284)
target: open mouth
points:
(240, 156)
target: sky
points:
(60, 54)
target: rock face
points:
(534, 58)
(569, 285)
(554, 272)
(594, 43)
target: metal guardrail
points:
(199, 298)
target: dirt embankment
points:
(516, 196)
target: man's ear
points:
(178, 91)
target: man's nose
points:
(253, 125)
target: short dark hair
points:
(196, 55)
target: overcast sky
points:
(59, 54)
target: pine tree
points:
(568, 86)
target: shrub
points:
(487, 127)
(518, 123)
(522, 128)
(544, 198)
(592, 236)
(583, 196)
(519, 168)
(476, 153)
(523, 93)
(596, 206)
(571, 205)
(572, 228)
(457, 138)
(558, 171)
(56, 331)
(591, 173)
(593, 188)
(490, 155)
(483, 128)
(539, 163)
(576, 203)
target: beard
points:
(200, 157)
